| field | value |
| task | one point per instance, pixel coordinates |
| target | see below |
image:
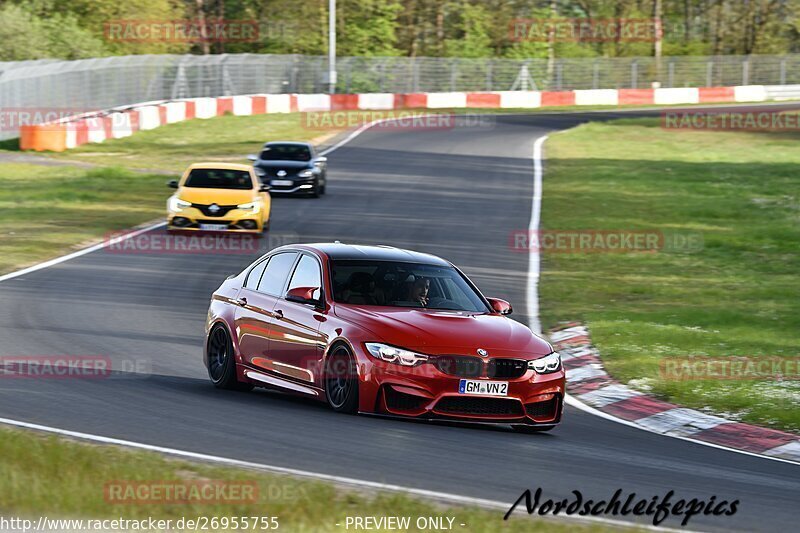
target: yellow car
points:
(219, 197)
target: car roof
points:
(337, 250)
(298, 143)
(220, 166)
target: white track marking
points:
(534, 269)
(445, 497)
(90, 249)
(532, 294)
(352, 136)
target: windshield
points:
(286, 152)
(207, 178)
(399, 284)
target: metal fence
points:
(115, 81)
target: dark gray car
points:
(291, 168)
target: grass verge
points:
(70, 480)
(737, 296)
(46, 210)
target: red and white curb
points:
(96, 127)
(590, 384)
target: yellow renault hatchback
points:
(219, 197)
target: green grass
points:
(44, 475)
(738, 296)
(46, 210)
(175, 146)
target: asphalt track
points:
(457, 193)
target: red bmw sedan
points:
(375, 329)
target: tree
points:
(472, 30)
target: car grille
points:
(223, 209)
(465, 367)
(473, 367)
(272, 173)
(507, 368)
(546, 409)
(478, 406)
(399, 401)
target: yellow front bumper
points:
(235, 220)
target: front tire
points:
(341, 381)
(220, 361)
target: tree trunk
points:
(201, 21)
(551, 45)
(657, 41)
(221, 19)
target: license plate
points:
(483, 388)
(214, 227)
(281, 183)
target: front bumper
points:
(426, 392)
(298, 186)
(235, 220)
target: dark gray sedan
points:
(291, 168)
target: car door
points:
(297, 345)
(254, 315)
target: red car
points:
(375, 329)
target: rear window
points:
(286, 152)
(207, 178)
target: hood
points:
(446, 332)
(288, 165)
(216, 196)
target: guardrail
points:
(124, 80)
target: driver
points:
(418, 291)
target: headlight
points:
(255, 207)
(260, 172)
(176, 204)
(390, 354)
(546, 365)
(308, 173)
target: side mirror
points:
(264, 188)
(302, 295)
(173, 184)
(252, 157)
(321, 159)
(500, 306)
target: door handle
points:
(241, 301)
(278, 313)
